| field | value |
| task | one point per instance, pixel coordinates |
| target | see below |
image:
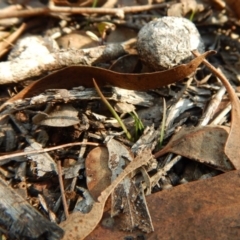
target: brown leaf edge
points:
(75, 76)
(231, 149)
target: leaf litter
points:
(133, 172)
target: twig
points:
(163, 126)
(19, 154)
(85, 10)
(65, 206)
(80, 162)
(11, 39)
(231, 92)
(212, 107)
(221, 117)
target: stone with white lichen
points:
(167, 42)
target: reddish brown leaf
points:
(206, 209)
(234, 6)
(97, 171)
(82, 76)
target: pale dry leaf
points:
(135, 210)
(64, 115)
(44, 162)
(76, 40)
(127, 198)
(202, 144)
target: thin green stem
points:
(112, 110)
(95, 2)
(192, 16)
(139, 122)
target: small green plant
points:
(138, 125)
(192, 16)
(94, 4)
(111, 109)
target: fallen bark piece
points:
(127, 199)
(206, 209)
(21, 69)
(20, 220)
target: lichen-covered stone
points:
(167, 42)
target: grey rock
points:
(167, 42)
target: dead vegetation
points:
(99, 143)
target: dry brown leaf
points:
(202, 144)
(205, 209)
(235, 6)
(231, 147)
(79, 225)
(82, 76)
(97, 172)
(184, 7)
(76, 40)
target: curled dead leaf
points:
(58, 116)
(231, 148)
(82, 76)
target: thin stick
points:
(19, 154)
(64, 201)
(163, 125)
(11, 39)
(83, 10)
